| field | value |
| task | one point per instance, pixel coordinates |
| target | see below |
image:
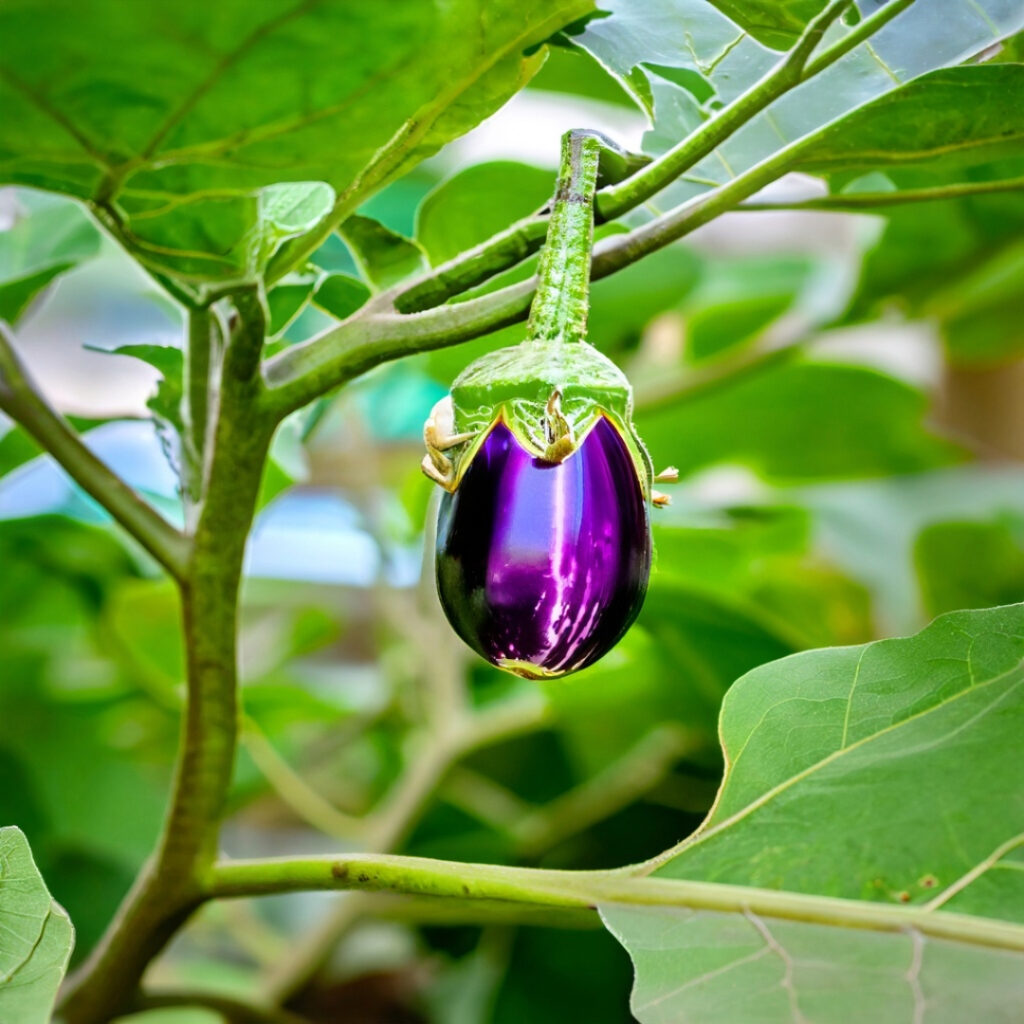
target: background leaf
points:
(477, 203)
(49, 238)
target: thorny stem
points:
(375, 335)
(523, 238)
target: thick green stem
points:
(420, 876)
(171, 886)
(24, 403)
(559, 310)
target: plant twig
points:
(341, 353)
(170, 887)
(787, 74)
(24, 403)
(619, 784)
(865, 202)
(308, 804)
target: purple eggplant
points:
(543, 566)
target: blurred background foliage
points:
(843, 395)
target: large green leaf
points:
(723, 968)
(179, 122)
(37, 936)
(872, 773)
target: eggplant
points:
(542, 566)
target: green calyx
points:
(548, 396)
(552, 388)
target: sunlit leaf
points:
(694, 36)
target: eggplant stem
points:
(559, 311)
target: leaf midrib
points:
(701, 835)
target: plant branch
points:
(865, 202)
(293, 790)
(436, 751)
(24, 403)
(420, 876)
(616, 786)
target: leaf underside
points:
(875, 773)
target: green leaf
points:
(776, 23)
(738, 299)
(286, 300)
(970, 565)
(166, 401)
(340, 295)
(384, 256)
(51, 238)
(958, 116)
(829, 755)
(37, 935)
(178, 134)
(477, 203)
(864, 726)
(785, 423)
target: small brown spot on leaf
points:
(928, 882)
(903, 897)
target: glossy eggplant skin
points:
(541, 567)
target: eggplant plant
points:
(862, 856)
